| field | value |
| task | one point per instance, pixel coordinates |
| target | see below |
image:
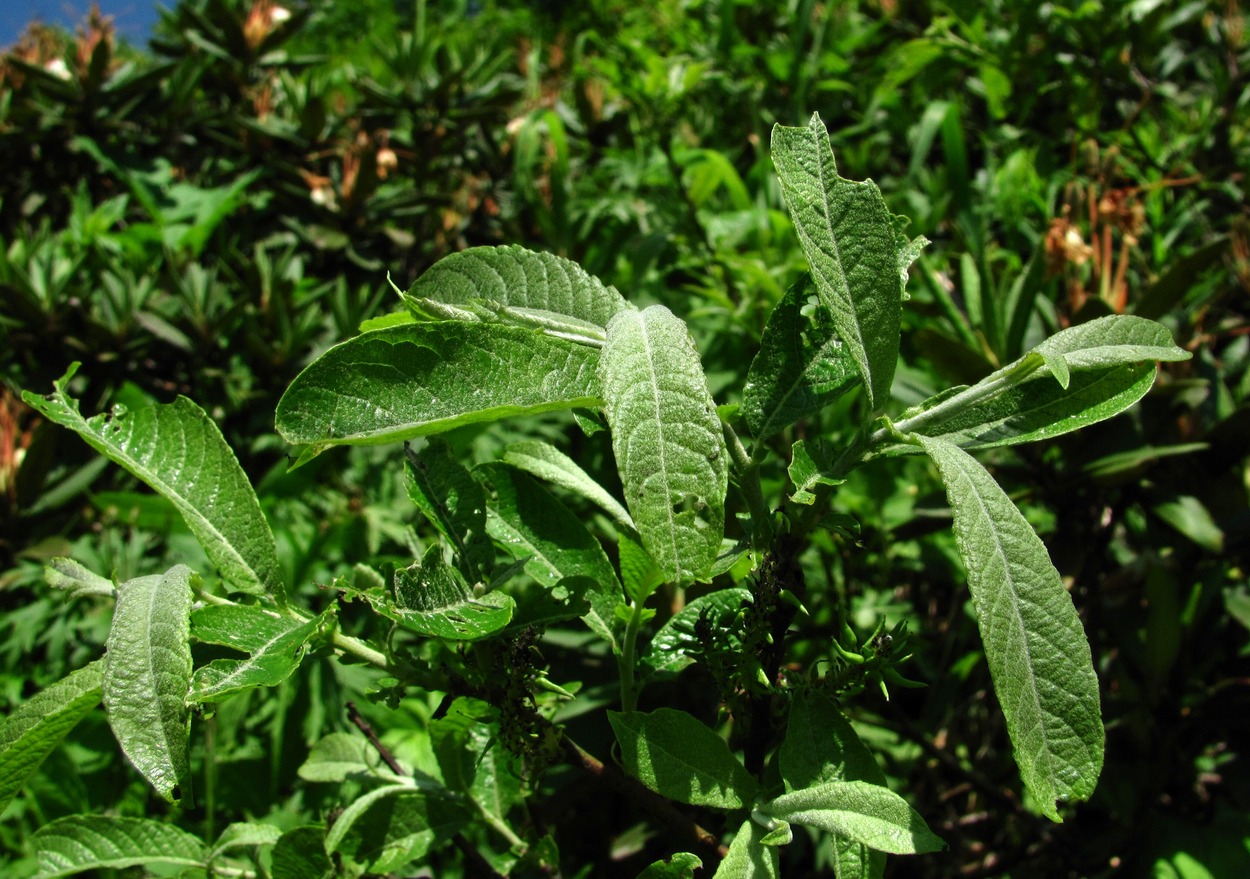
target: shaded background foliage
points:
(205, 214)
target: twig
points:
(353, 714)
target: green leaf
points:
(867, 813)
(471, 760)
(1108, 341)
(454, 502)
(680, 866)
(513, 276)
(276, 645)
(809, 468)
(532, 525)
(1038, 655)
(857, 256)
(1188, 516)
(300, 854)
(675, 645)
(748, 857)
(75, 579)
(802, 365)
(147, 673)
(393, 825)
(421, 379)
(93, 842)
(678, 757)
(547, 462)
(667, 438)
(245, 834)
(854, 860)
(433, 599)
(340, 756)
(34, 728)
(178, 451)
(640, 573)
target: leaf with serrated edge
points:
(181, 454)
(667, 438)
(421, 379)
(867, 813)
(34, 728)
(802, 365)
(530, 524)
(678, 757)
(673, 645)
(433, 599)
(547, 462)
(1038, 656)
(748, 857)
(93, 842)
(147, 673)
(857, 256)
(513, 276)
(276, 645)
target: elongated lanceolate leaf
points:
(75, 579)
(857, 255)
(421, 379)
(38, 725)
(1107, 341)
(801, 367)
(245, 834)
(667, 438)
(275, 643)
(678, 757)
(547, 462)
(390, 826)
(147, 673)
(513, 276)
(93, 842)
(433, 599)
(178, 451)
(867, 813)
(449, 497)
(1038, 655)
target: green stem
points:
(625, 659)
(494, 822)
(752, 491)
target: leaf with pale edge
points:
(276, 645)
(678, 757)
(1038, 655)
(75, 579)
(421, 379)
(676, 645)
(338, 757)
(433, 599)
(802, 365)
(667, 438)
(453, 501)
(39, 724)
(181, 454)
(547, 462)
(390, 826)
(809, 468)
(857, 255)
(748, 857)
(867, 813)
(245, 834)
(93, 842)
(147, 673)
(680, 866)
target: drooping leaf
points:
(454, 502)
(433, 599)
(676, 644)
(534, 526)
(177, 450)
(39, 724)
(147, 674)
(547, 462)
(513, 276)
(639, 572)
(338, 757)
(678, 757)
(857, 255)
(426, 378)
(870, 814)
(1038, 655)
(748, 857)
(809, 468)
(802, 365)
(245, 834)
(276, 645)
(78, 843)
(471, 760)
(392, 825)
(667, 438)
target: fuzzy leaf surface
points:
(92, 842)
(676, 645)
(801, 367)
(147, 674)
(420, 379)
(38, 725)
(177, 450)
(748, 857)
(275, 643)
(867, 813)
(549, 463)
(453, 501)
(667, 439)
(678, 757)
(857, 255)
(433, 599)
(1038, 655)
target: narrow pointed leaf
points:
(94, 842)
(177, 450)
(1110, 341)
(547, 462)
(678, 757)
(421, 379)
(1038, 655)
(454, 502)
(513, 276)
(276, 645)
(433, 599)
(748, 857)
(147, 673)
(869, 814)
(801, 367)
(857, 255)
(38, 725)
(393, 825)
(245, 834)
(667, 438)
(75, 579)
